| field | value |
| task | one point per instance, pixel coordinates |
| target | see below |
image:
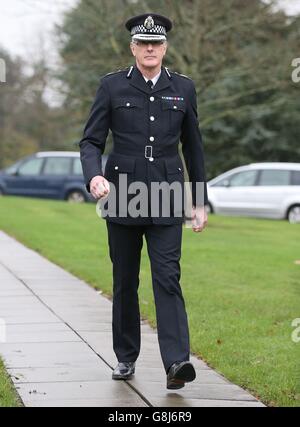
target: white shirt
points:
(154, 79)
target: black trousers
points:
(164, 250)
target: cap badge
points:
(149, 23)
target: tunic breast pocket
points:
(173, 114)
(127, 113)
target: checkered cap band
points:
(140, 29)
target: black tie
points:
(150, 83)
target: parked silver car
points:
(268, 190)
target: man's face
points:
(148, 54)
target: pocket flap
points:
(174, 166)
(173, 105)
(127, 102)
(120, 164)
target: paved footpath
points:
(58, 346)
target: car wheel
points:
(294, 214)
(76, 197)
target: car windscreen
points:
(13, 168)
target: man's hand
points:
(199, 218)
(99, 187)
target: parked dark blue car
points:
(50, 175)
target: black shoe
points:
(179, 373)
(123, 371)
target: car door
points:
(25, 181)
(235, 194)
(55, 173)
(274, 186)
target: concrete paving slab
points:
(70, 374)
(18, 318)
(45, 349)
(40, 274)
(37, 328)
(75, 313)
(80, 301)
(21, 311)
(102, 390)
(61, 281)
(10, 284)
(87, 324)
(113, 403)
(81, 327)
(54, 284)
(194, 390)
(17, 292)
(42, 337)
(49, 362)
(47, 354)
(9, 320)
(204, 403)
(21, 300)
(64, 293)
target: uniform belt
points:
(148, 151)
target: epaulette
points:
(113, 72)
(181, 75)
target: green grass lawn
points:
(8, 396)
(239, 279)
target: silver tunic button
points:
(175, 107)
(152, 118)
(179, 169)
(116, 168)
(151, 159)
(151, 98)
(128, 104)
(151, 138)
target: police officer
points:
(149, 110)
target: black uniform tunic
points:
(147, 126)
